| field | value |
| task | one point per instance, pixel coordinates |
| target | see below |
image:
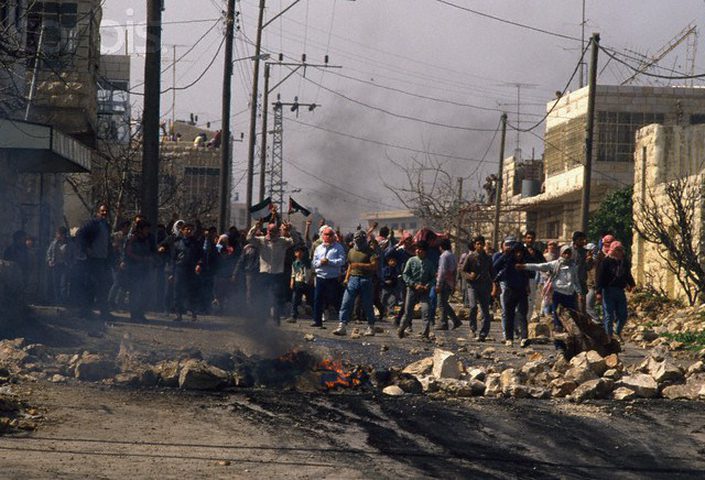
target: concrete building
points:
(664, 154)
(394, 219)
(620, 112)
(47, 112)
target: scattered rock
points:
(493, 385)
(445, 364)
(409, 384)
(393, 391)
(623, 393)
(309, 337)
(420, 367)
(477, 374)
(93, 367)
(56, 378)
(488, 352)
(429, 384)
(643, 385)
(168, 373)
(199, 375)
(592, 389)
(591, 360)
(355, 333)
(668, 374)
(697, 367)
(681, 392)
(580, 374)
(561, 387)
(612, 374)
(539, 330)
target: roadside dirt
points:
(100, 431)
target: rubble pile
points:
(587, 376)
(671, 329)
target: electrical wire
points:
(173, 22)
(510, 22)
(555, 103)
(390, 113)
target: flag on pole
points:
(294, 206)
(263, 210)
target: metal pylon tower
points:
(276, 173)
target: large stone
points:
(11, 354)
(580, 374)
(493, 385)
(681, 392)
(590, 359)
(642, 384)
(92, 367)
(612, 361)
(592, 389)
(623, 393)
(561, 387)
(531, 369)
(668, 374)
(429, 384)
(445, 364)
(420, 367)
(199, 375)
(697, 367)
(512, 385)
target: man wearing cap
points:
(328, 261)
(362, 265)
(506, 247)
(272, 255)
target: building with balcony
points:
(619, 112)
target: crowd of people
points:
(272, 271)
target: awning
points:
(36, 148)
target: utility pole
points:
(581, 82)
(253, 112)
(150, 117)
(294, 67)
(498, 190)
(589, 127)
(225, 144)
(459, 225)
(263, 149)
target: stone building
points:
(664, 154)
(620, 112)
(394, 219)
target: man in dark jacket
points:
(479, 273)
(95, 247)
(515, 293)
(187, 255)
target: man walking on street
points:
(362, 265)
(328, 260)
(419, 277)
(445, 281)
(479, 274)
(95, 247)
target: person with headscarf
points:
(565, 282)
(225, 266)
(165, 252)
(362, 265)
(590, 299)
(328, 260)
(613, 277)
(272, 255)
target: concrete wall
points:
(663, 154)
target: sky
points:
(430, 76)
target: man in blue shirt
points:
(328, 260)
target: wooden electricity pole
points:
(225, 144)
(150, 117)
(498, 190)
(589, 128)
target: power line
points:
(393, 114)
(384, 144)
(510, 22)
(173, 22)
(555, 103)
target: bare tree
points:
(671, 222)
(430, 192)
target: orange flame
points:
(335, 375)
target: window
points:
(615, 134)
(52, 30)
(553, 230)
